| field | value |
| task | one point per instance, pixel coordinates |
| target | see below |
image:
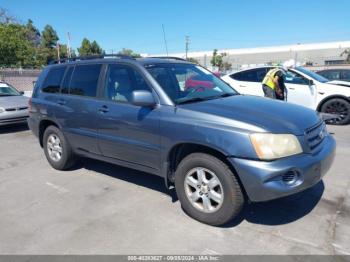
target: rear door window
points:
(346, 75)
(53, 80)
(254, 75)
(331, 75)
(84, 80)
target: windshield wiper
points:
(191, 100)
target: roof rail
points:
(90, 57)
(168, 57)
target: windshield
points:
(185, 83)
(6, 90)
(313, 75)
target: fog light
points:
(290, 178)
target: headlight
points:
(2, 109)
(273, 146)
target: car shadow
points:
(283, 210)
(14, 128)
(275, 212)
(129, 175)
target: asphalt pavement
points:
(99, 208)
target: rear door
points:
(299, 90)
(249, 81)
(127, 132)
(77, 112)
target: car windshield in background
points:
(313, 75)
(6, 90)
(186, 83)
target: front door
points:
(127, 132)
(299, 90)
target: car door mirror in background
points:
(142, 98)
(311, 82)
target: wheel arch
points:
(324, 100)
(45, 123)
(181, 150)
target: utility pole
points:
(69, 51)
(58, 51)
(187, 44)
(165, 43)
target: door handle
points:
(242, 86)
(61, 102)
(292, 88)
(104, 109)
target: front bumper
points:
(262, 180)
(8, 118)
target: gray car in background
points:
(13, 105)
(177, 120)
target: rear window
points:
(254, 75)
(53, 80)
(84, 80)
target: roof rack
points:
(168, 57)
(91, 57)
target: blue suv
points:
(177, 120)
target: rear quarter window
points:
(53, 80)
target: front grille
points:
(315, 135)
(16, 109)
(16, 119)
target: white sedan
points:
(304, 88)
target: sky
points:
(221, 24)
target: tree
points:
(129, 52)
(15, 49)
(6, 18)
(218, 61)
(347, 53)
(49, 37)
(95, 48)
(192, 60)
(88, 48)
(33, 33)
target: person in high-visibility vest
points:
(273, 84)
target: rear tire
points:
(340, 107)
(207, 189)
(57, 150)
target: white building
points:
(317, 54)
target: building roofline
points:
(270, 49)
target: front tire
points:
(57, 149)
(340, 107)
(207, 189)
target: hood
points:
(339, 82)
(262, 114)
(13, 101)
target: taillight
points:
(30, 104)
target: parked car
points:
(13, 105)
(335, 74)
(217, 147)
(304, 88)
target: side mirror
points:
(142, 98)
(21, 92)
(311, 82)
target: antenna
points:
(166, 45)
